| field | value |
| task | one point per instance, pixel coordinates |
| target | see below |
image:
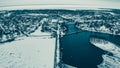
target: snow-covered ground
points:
(28, 52)
(109, 61)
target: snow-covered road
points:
(28, 52)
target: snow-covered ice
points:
(28, 52)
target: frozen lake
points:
(28, 52)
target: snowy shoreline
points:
(109, 61)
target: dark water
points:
(77, 50)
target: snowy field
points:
(28, 52)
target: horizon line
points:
(54, 6)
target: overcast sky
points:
(101, 3)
